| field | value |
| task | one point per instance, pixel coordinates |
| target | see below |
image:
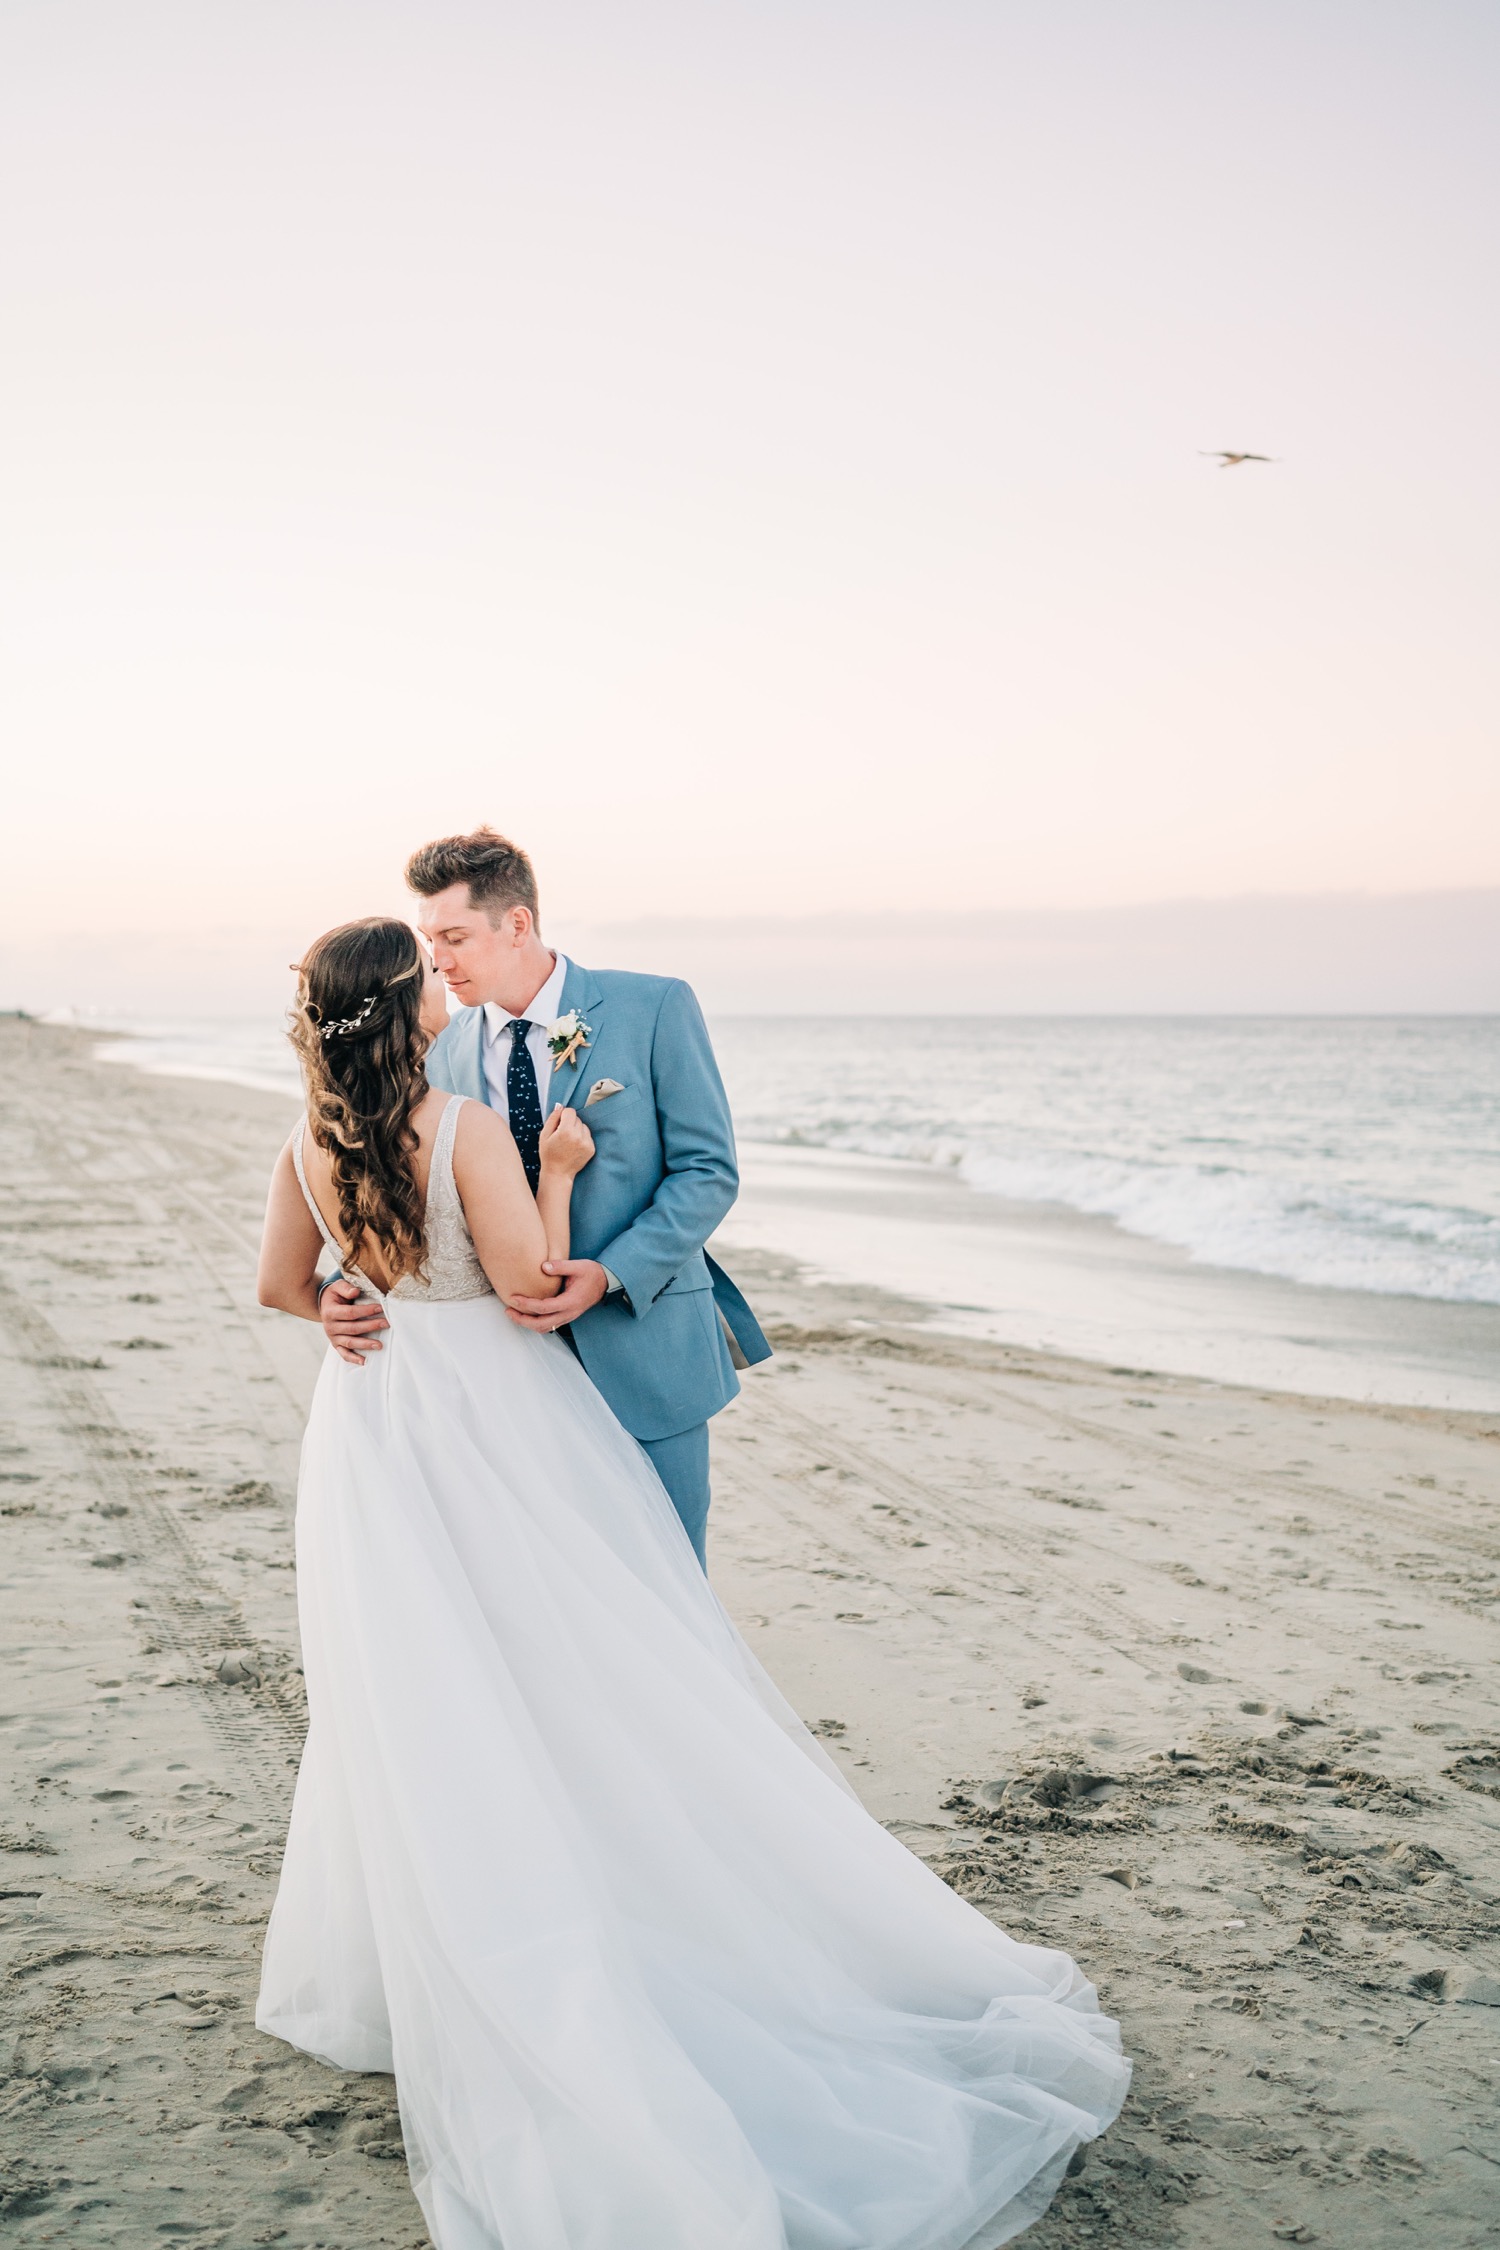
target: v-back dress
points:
(648, 1975)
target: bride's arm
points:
(513, 1230)
(290, 1246)
(566, 1146)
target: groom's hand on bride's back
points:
(351, 1322)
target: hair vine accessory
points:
(342, 1029)
(347, 1024)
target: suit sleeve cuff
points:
(638, 1278)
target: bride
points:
(648, 1975)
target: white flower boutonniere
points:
(567, 1038)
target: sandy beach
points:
(1190, 1679)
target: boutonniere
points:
(567, 1038)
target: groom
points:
(657, 1324)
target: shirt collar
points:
(545, 1008)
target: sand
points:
(1190, 1679)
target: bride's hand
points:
(566, 1144)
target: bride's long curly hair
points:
(357, 1026)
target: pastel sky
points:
(749, 450)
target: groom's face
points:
(475, 957)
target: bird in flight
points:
(1233, 460)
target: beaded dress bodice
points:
(453, 1269)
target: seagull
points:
(1233, 460)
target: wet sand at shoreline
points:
(1192, 1680)
(1066, 1281)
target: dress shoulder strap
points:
(441, 1185)
(307, 1193)
(345, 1265)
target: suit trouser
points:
(682, 1464)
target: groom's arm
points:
(697, 1136)
(698, 1186)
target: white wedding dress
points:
(647, 1974)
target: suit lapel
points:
(565, 1087)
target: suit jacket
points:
(662, 1177)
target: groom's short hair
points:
(498, 873)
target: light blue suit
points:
(662, 1177)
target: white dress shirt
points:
(545, 1008)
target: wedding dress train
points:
(648, 1975)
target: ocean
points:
(1354, 1154)
(1303, 1200)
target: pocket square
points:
(601, 1090)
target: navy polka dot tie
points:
(524, 1104)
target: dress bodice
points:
(453, 1271)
